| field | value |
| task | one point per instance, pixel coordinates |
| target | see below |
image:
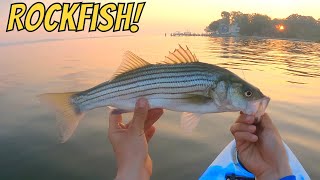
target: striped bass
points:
(179, 83)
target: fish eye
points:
(248, 93)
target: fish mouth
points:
(257, 107)
(262, 107)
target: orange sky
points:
(162, 16)
(195, 15)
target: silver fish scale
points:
(160, 82)
(153, 71)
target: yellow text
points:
(75, 17)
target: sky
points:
(165, 16)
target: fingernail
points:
(252, 128)
(254, 138)
(142, 103)
(256, 119)
(249, 118)
(115, 112)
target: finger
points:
(140, 115)
(241, 127)
(244, 118)
(267, 124)
(266, 120)
(150, 132)
(153, 116)
(123, 126)
(245, 136)
(114, 120)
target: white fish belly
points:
(179, 105)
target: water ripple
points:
(292, 57)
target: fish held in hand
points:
(179, 83)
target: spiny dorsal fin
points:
(180, 56)
(130, 62)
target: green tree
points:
(213, 26)
(225, 16)
(259, 24)
(294, 26)
(235, 16)
(302, 26)
(244, 24)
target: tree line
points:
(294, 26)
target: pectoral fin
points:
(196, 99)
(189, 121)
(200, 97)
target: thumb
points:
(266, 121)
(140, 116)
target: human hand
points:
(130, 141)
(260, 147)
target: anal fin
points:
(189, 121)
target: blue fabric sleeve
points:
(240, 163)
(291, 177)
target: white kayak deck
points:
(227, 163)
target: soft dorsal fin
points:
(180, 56)
(130, 62)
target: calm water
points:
(289, 72)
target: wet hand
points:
(130, 141)
(260, 147)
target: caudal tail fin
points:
(67, 115)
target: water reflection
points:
(296, 58)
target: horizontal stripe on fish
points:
(173, 95)
(110, 86)
(179, 95)
(170, 86)
(171, 67)
(148, 71)
(172, 82)
(149, 78)
(157, 87)
(135, 79)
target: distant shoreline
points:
(295, 27)
(257, 37)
